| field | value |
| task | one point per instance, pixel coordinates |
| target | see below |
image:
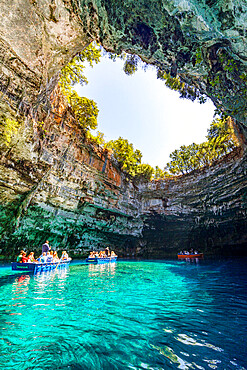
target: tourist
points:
(49, 256)
(43, 258)
(19, 258)
(113, 254)
(64, 256)
(55, 257)
(107, 252)
(46, 247)
(24, 258)
(31, 257)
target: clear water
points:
(128, 315)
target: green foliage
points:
(73, 72)
(125, 154)
(130, 159)
(130, 65)
(186, 91)
(98, 139)
(158, 173)
(9, 129)
(144, 172)
(194, 156)
(198, 55)
(85, 110)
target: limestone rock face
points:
(54, 184)
(204, 42)
(205, 210)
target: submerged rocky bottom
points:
(126, 315)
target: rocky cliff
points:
(56, 185)
(53, 183)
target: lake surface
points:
(126, 315)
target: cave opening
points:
(54, 177)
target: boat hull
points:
(101, 260)
(198, 255)
(38, 267)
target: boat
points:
(35, 267)
(101, 259)
(195, 255)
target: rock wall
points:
(56, 185)
(203, 42)
(206, 210)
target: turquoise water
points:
(126, 315)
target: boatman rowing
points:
(46, 247)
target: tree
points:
(144, 172)
(188, 158)
(130, 65)
(186, 91)
(85, 109)
(125, 154)
(98, 138)
(73, 72)
(158, 173)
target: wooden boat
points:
(39, 267)
(101, 259)
(196, 255)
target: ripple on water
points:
(128, 315)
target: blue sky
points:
(143, 110)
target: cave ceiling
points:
(203, 42)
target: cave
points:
(54, 184)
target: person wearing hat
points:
(46, 247)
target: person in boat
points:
(65, 256)
(49, 257)
(24, 258)
(46, 247)
(43, 258)
(55, 257)
(31, 257)
(92, 254)
(113, 254)
(107, 252)
(19, 258)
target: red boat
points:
(197, 255)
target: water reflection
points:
(125, 316)
(102, 268)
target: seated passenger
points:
(49, 257)
(31, 257)
(24, 257)
(19, 258)
(43, 258)
(64, 256)
(113, 254)
(55, 257)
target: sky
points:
(143, 110)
